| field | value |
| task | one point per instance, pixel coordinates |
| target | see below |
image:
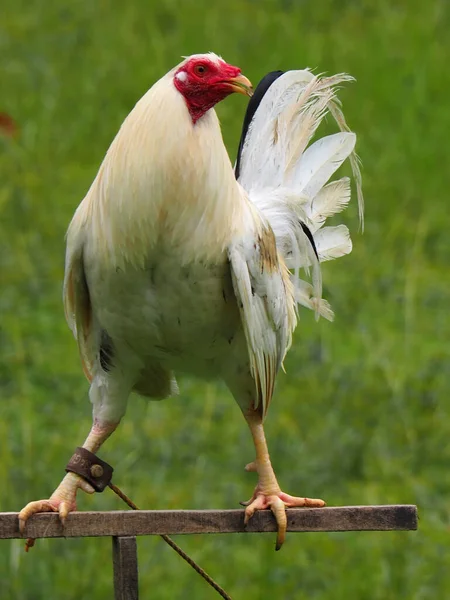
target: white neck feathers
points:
(164, 181)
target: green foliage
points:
(362, 416)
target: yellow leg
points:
(63, 499)
(268, 493)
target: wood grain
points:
(125, 564)
(153, 522)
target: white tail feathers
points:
(333, 242)
(320, 161)
(330, 200)
(304, 295)
(287, 178)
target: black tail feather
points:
(252, 107)
(309, 235)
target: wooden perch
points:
(156, 522)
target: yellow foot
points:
(278, 502)
(62, 501)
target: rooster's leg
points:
(267, 493)
(63, 499)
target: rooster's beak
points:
(241, 85)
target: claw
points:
(254, 496)
(62, 501)
(63, 511)
(278, 504)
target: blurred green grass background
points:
(362, 416)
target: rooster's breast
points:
(182, 315)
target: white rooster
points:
(174, 265)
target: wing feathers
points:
(266, 302)
(78, 309)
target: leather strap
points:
(92, 468)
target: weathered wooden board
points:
(155, 522)
(125, 565)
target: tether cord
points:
(176, 547)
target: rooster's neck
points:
(166, 181)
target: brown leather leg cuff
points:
(92, 468)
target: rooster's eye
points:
(200, 70)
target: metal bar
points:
(151, 522)
(125, 564)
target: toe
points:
(294, 501)
(252, 499)
(85, 486)
(278, 509)
(32, 508)
(63, 511)
(259, 503)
